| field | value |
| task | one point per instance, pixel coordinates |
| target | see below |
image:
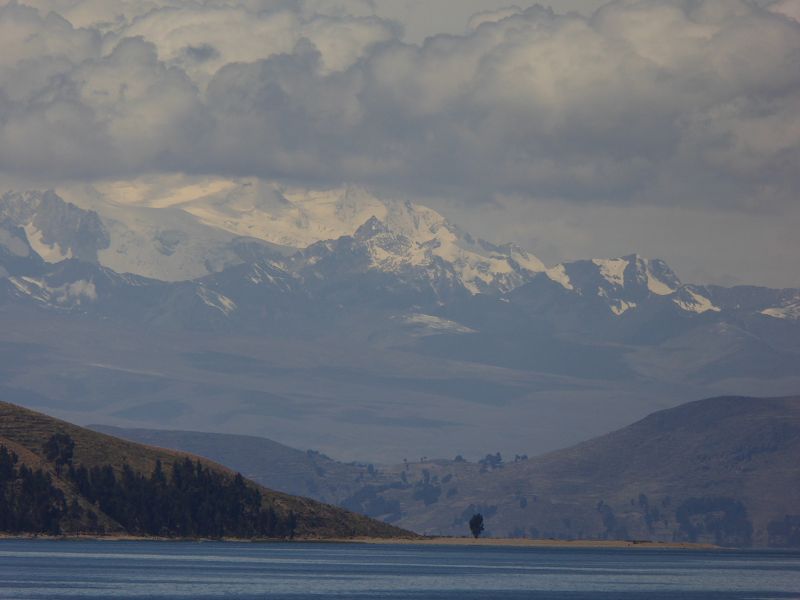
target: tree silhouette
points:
(59, 449)
(28, 500)
(476, 525)
(192, 501)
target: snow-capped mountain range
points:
(308, 237)
(383, 321)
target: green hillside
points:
(56, 477)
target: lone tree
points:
(476, 524)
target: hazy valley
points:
(379, 333)
(402, 337)
(720, 471)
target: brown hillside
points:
(273, 465)
(25, 432)
(721, 470)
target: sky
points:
(577, 129)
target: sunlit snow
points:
(51, 253)
(694, 302)
(612, 269)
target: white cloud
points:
(689, 103)
(201, 39)
(76, 292)
(492, 16)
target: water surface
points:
(169, 570)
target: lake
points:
(54, 570)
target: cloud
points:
(492, 16)
(26, 36)
(643, 102)
(203, 39)
(73, 112)
(76, 292)
(616, 106)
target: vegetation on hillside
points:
(193, 501)
(58, 478)
(721, 471)
(28, 500)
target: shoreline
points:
(530, 543)
(410, 541)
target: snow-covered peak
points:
(622, 283)
(55, 229)
(635, 270)
(259, 209)
(658, 277)
(286, 216)
(395, 235)
(177, 228)
(612, 269)
(559, 275)
(418, 238)
(372, 227)
(691, 300)
(631, 273)
(789, 310)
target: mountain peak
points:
(371, 227)
(56, 229)
(654, 274)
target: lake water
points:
(54, 570)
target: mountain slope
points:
(723, 470)
(180, 230)
(269, 463)
(390, 324)
(26, 433)
(403, 253)
(157, 242)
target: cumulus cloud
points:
(74, 112)
(612, 105)
(643, 102)
(492, 16)
(616, 105)
(203, 39)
